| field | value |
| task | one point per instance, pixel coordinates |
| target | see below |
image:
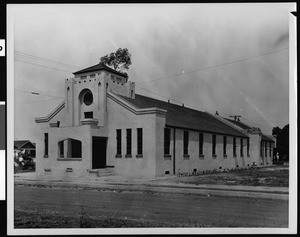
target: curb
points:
(151, 188)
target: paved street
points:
(170, 208)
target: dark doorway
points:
(99, 152)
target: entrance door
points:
(99, 152)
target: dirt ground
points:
(274, 176)
(75, 208)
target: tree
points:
(282, 137)
(119, 60)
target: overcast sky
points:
(230, 58)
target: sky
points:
(230, 58)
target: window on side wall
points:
(46, 144)
(234, 146)
(200, 143)
(266, 148)
(167, 141)
(139, 142)
(119, 142)
(242, 146)
(248, 147)
(224, 145)
(128, 142)
(214, 138)
(185, 143)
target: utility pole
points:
(236, 117)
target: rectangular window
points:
(139, 141)
(46, 138)
(248, 147)
(200, 143)
(167, 141)
(266, 149)
(128, 141)
(88, 114)
(270, 151)
(214, 144)
(185, 142)
(234, 146)
(242, 147)
(224, 145)
(119, 141)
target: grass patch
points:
(35, 218)
(259, 176)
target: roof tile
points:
(183, 117)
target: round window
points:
(88, 98)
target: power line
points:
(180, 102)
(277, 121)
(43, 66)
(215, 66)
(31, 87)
(44, 59)
(40, 101)
(158, 94)
(195, 107)
(36, 93)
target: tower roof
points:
(100, 66)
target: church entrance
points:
(99, 145)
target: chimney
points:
(182, 104)
(168, 101)
(216, 113)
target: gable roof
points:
(22, 143)
(246, 126)
(183, 117)
(100, 66)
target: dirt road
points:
(169, 209)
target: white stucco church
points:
(104, 126)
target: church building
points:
(103, 127)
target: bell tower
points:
(86, 94)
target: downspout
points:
(174, 151)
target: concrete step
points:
(108, 171)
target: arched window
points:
(70, 148)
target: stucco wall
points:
(121, 118)
(199, 163)
(57, 166)
(162, 164)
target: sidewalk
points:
(119, 184)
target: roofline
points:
(26, 141)
(223, 120)
(51, 115)
(198, 130)
(105, 68)
(133, 108)
(246, 125)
